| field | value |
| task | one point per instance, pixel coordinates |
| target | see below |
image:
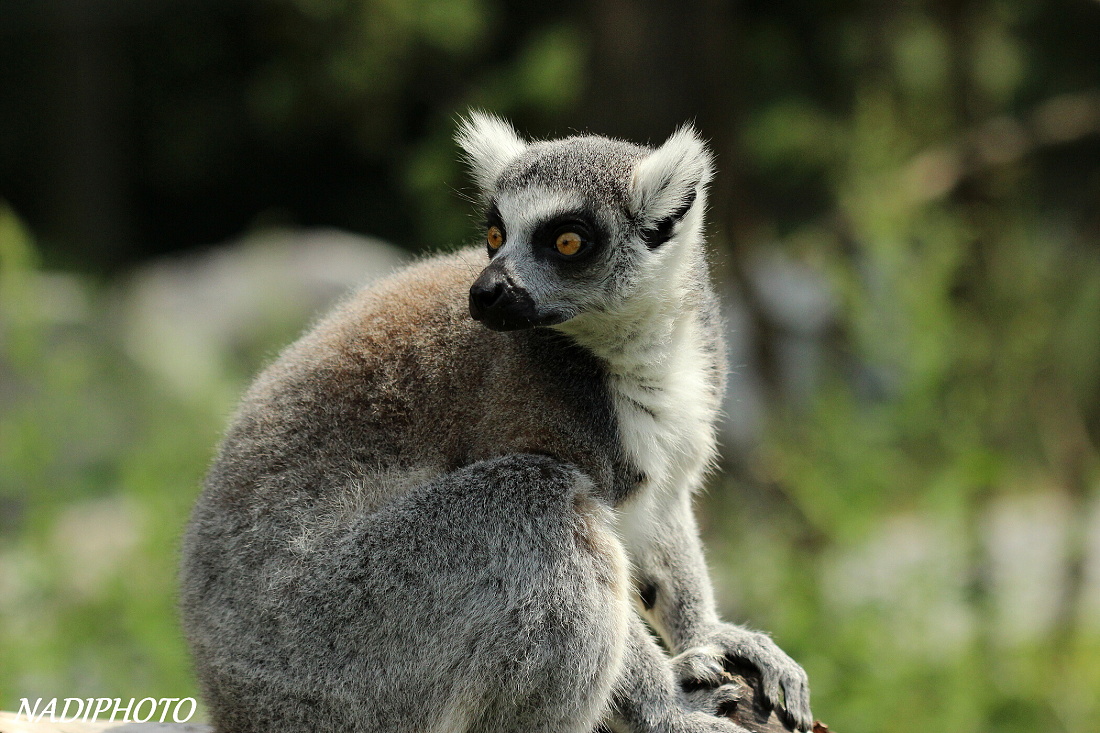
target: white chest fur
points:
(661, 376)
(666, 407)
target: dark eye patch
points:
(581, 222)
(494, 219)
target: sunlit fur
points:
(418, 521)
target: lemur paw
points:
(783, 683)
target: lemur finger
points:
(720, 701)
(771, 686)
(698, 668)
(797, 695)
(729, 693)
(727, 697)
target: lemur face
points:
(579, 225)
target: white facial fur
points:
(523, 211)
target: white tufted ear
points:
(490, 144)
(670, 180)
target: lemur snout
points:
(500, 304)
(487, 292)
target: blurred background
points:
(905, 228)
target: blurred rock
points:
(799, 305)
(1090, 592)
(193, 319)
(1027, 540)
(93, 540)
(745, 404)
(912, 571)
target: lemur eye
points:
(569, 243)
(494, 237)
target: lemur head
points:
(584, 228)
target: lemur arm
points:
(678, 599)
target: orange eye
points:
(494, 237)
(569, 243)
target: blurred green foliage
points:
(98, 468)
(935, 164)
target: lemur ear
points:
(669, 182)
(490, 143)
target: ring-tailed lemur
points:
(423, 521)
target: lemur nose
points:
(502, 304)
(487, 292)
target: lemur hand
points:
(783, 682)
